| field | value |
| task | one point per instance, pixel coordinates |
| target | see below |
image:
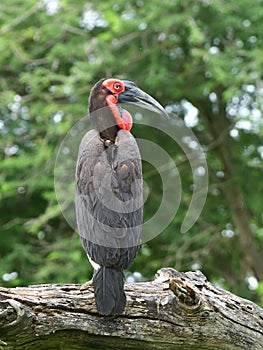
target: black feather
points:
(109, 291)
(109, 217)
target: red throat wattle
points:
(127, 120)
(123, 121)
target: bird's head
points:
(113, 92)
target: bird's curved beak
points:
(135, 96)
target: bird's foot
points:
(87, 285)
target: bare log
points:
(175, 311)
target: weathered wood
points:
(175, 311)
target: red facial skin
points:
(116, 87)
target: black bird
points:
(109, 203)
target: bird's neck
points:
(109, 119)
(104, 122)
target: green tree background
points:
(202, 59)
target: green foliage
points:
(208, 53)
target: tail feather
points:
(109, 291)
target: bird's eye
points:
(117, 86)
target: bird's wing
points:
(109, 198)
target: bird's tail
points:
(109, 291)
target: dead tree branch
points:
(175, 311)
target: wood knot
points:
(187, 297)
(15, 314)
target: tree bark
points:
(175, 311)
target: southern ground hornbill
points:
(109, 203)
